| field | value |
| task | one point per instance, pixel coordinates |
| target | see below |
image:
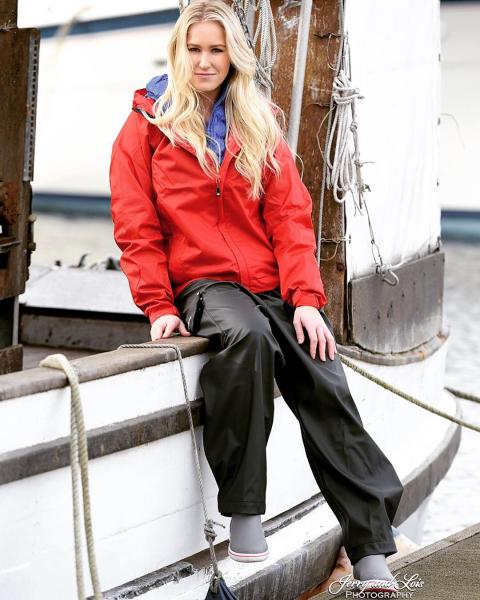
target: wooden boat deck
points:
(32, 355)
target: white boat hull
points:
(146, 505)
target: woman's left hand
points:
(309, 317)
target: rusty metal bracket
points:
(398, 318)
(32, 91)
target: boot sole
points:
(244, 557)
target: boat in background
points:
(78, 76)
(460, 130)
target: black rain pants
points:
(257, 344)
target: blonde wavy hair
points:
(251, 116)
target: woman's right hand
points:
(164, 326)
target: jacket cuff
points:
(155, 313)
(307, 299)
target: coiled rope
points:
(268, 38)
(343, 172)
(79, 466)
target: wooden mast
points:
(323, 48)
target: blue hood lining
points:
(216, 128)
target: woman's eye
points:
(214, 50)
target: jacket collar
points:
(144, 98)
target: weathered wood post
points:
(19, 49)
(323, 48)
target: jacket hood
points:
(145, 97)
(157, 86)
(142, 102)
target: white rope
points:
(265, 30)
(79, 466)
(343, 172)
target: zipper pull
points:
(218, 188)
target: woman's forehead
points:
(208, 33)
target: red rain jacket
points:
(173, 224)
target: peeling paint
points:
(288, 23)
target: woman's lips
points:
(204, 74)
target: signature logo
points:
(355, 589)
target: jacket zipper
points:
(220, 212)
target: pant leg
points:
(355, 477)
(357, 480)
(238, 389)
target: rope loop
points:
(79, 467)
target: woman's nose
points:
(204, 61)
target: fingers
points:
(321, 343)
(326, 343)
(154, 333)
(332, 348)
(315, 340)
(169, 329)
(157, 330)
(319, 336)
(297, 324)
(315, 336)
(164, 327)
(183, 330)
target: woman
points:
(214, 224)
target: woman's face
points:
(208, 52)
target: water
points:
(455, 502)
